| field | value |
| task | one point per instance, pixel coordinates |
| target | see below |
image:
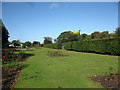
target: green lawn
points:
(68, 72)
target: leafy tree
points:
(82, 36)
(47, 40)
(104, 34)
(55, 40)
(67, 36)
(117, 32)
(95, 35)
(36, 43)
(112, 35)
(5, 35)
(28, 44)
(16, 42)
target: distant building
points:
(13, 45)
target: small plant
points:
(22, 54)
(110, 70)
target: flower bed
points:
(11, 67)
(109, 81)
(55, 53)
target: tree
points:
(104, 34)
(36, 43)
(67, 36)
(55, 40)
(117, 32)
(5, 35)
(112, 35)
(82, 36)
(95, 35)
(27, 43)
(16, 42)
(47, 40)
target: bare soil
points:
(109, 81)
(56, 55)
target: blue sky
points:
(34, 20)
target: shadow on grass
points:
(29, 55)
(25, 56)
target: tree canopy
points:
(67, 36)
(36, 43)
(27, 43)
(5, 35)
(16, 42)
(117, 32)
(47, 40)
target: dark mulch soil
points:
(109, 81)
(56, 55)
(9, 77)
(22, 59)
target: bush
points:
(8, 56)
(48, 45)
(54, 45)
(68, 45)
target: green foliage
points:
(105, 46)
(16, 42)
(54, 45)
(104, 34)
(95, 34)
(68, 45)
(56, 52)
(57, 45)
(67, 36)
(28, 44)
(82, 37)
(22, 54)
(110, 70)
(5, 35)
(117, 32)
(47, 40)
(36, 43)
(8, 56)
(49, 45)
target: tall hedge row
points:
(105, 46)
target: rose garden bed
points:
(9, 76)
(109, 81)
(12, 66)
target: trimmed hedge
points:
(68, 45)
(104, 46)
(53, 45)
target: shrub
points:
(68, 45)
(53, 45)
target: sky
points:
(32, 21)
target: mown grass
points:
(68, 72)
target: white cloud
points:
(54, 5)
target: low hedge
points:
(53, 45)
